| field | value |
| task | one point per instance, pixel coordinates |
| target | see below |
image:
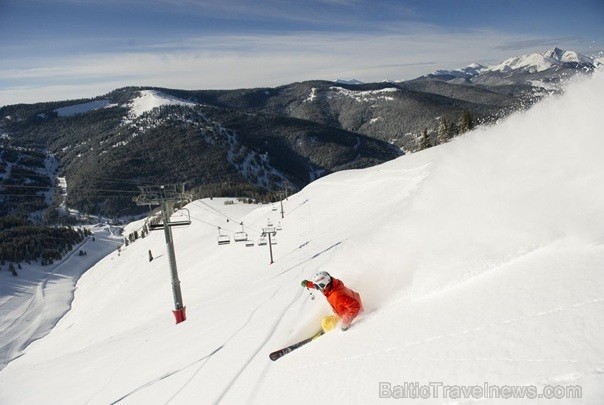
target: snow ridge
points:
(150, 99)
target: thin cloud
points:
(537, 42)
(238, 61)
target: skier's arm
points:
(307, 284)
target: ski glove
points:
(304, 283)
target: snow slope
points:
(83, 108)
(150, 99)
(32, 304)
(479, 263)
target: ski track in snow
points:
(261, 344)
(308, 234)
(435, 338)
(170, 374)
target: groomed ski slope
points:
(480, 261)
(32, 304)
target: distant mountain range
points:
(246, 141)
(550, 67)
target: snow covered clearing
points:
(311, 96)
(150, 99)
(84, 107)
(479, 263)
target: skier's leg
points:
(329, 322)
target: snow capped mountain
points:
(517, 68)
(538, 62)
(560, 55)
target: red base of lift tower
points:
(180, 315)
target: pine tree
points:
(424, 141)
(452, 130)
(466, 122)
(443, 131)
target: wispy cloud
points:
(536, 42)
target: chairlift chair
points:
(263, 240)
(240, 236)
(249, 243)
(223, 239)
(180, 217)
(155, 222)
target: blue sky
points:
(66, 49)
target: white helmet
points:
(321, 280)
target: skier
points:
(345, 303)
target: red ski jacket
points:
(345, 302)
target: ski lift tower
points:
(165, 195)
(270, 231)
